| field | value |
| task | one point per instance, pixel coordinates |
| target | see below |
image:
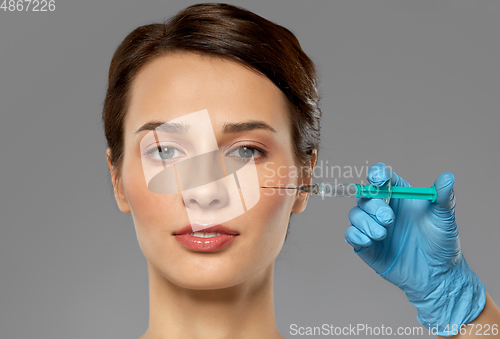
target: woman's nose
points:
(211, 196)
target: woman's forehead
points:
(181, 83)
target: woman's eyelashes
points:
(247, 152)
(169, 154)
(164, 153)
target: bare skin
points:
(228, 293)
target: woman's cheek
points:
(277, 176)
(272, 212)
(153, 213)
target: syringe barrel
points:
(396, 192)
(350, 190)
(333, 189)
(371, 191)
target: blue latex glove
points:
(414, 244)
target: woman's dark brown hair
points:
(226, 31)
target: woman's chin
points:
(209, 281)
(212, 276)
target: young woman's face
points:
(178, 84)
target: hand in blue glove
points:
(414, 244)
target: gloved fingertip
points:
(444, 188)
(379, 174)
(351, 243)
(444, 180)
(356, 238)
(379, 233)
(385, 216)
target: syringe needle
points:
(283, 188)
(287, 188)
(303, 188)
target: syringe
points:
(352, 190)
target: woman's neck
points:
(242, 311)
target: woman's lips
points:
(200, 228)
(210, 244)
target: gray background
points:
(414, 84)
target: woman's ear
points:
(120, 197)
(305, 179)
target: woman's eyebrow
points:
(169, 127)
(246, 126)
(229, 127)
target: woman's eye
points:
(165, 153)
(244, 152)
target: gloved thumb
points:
(445, 200)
